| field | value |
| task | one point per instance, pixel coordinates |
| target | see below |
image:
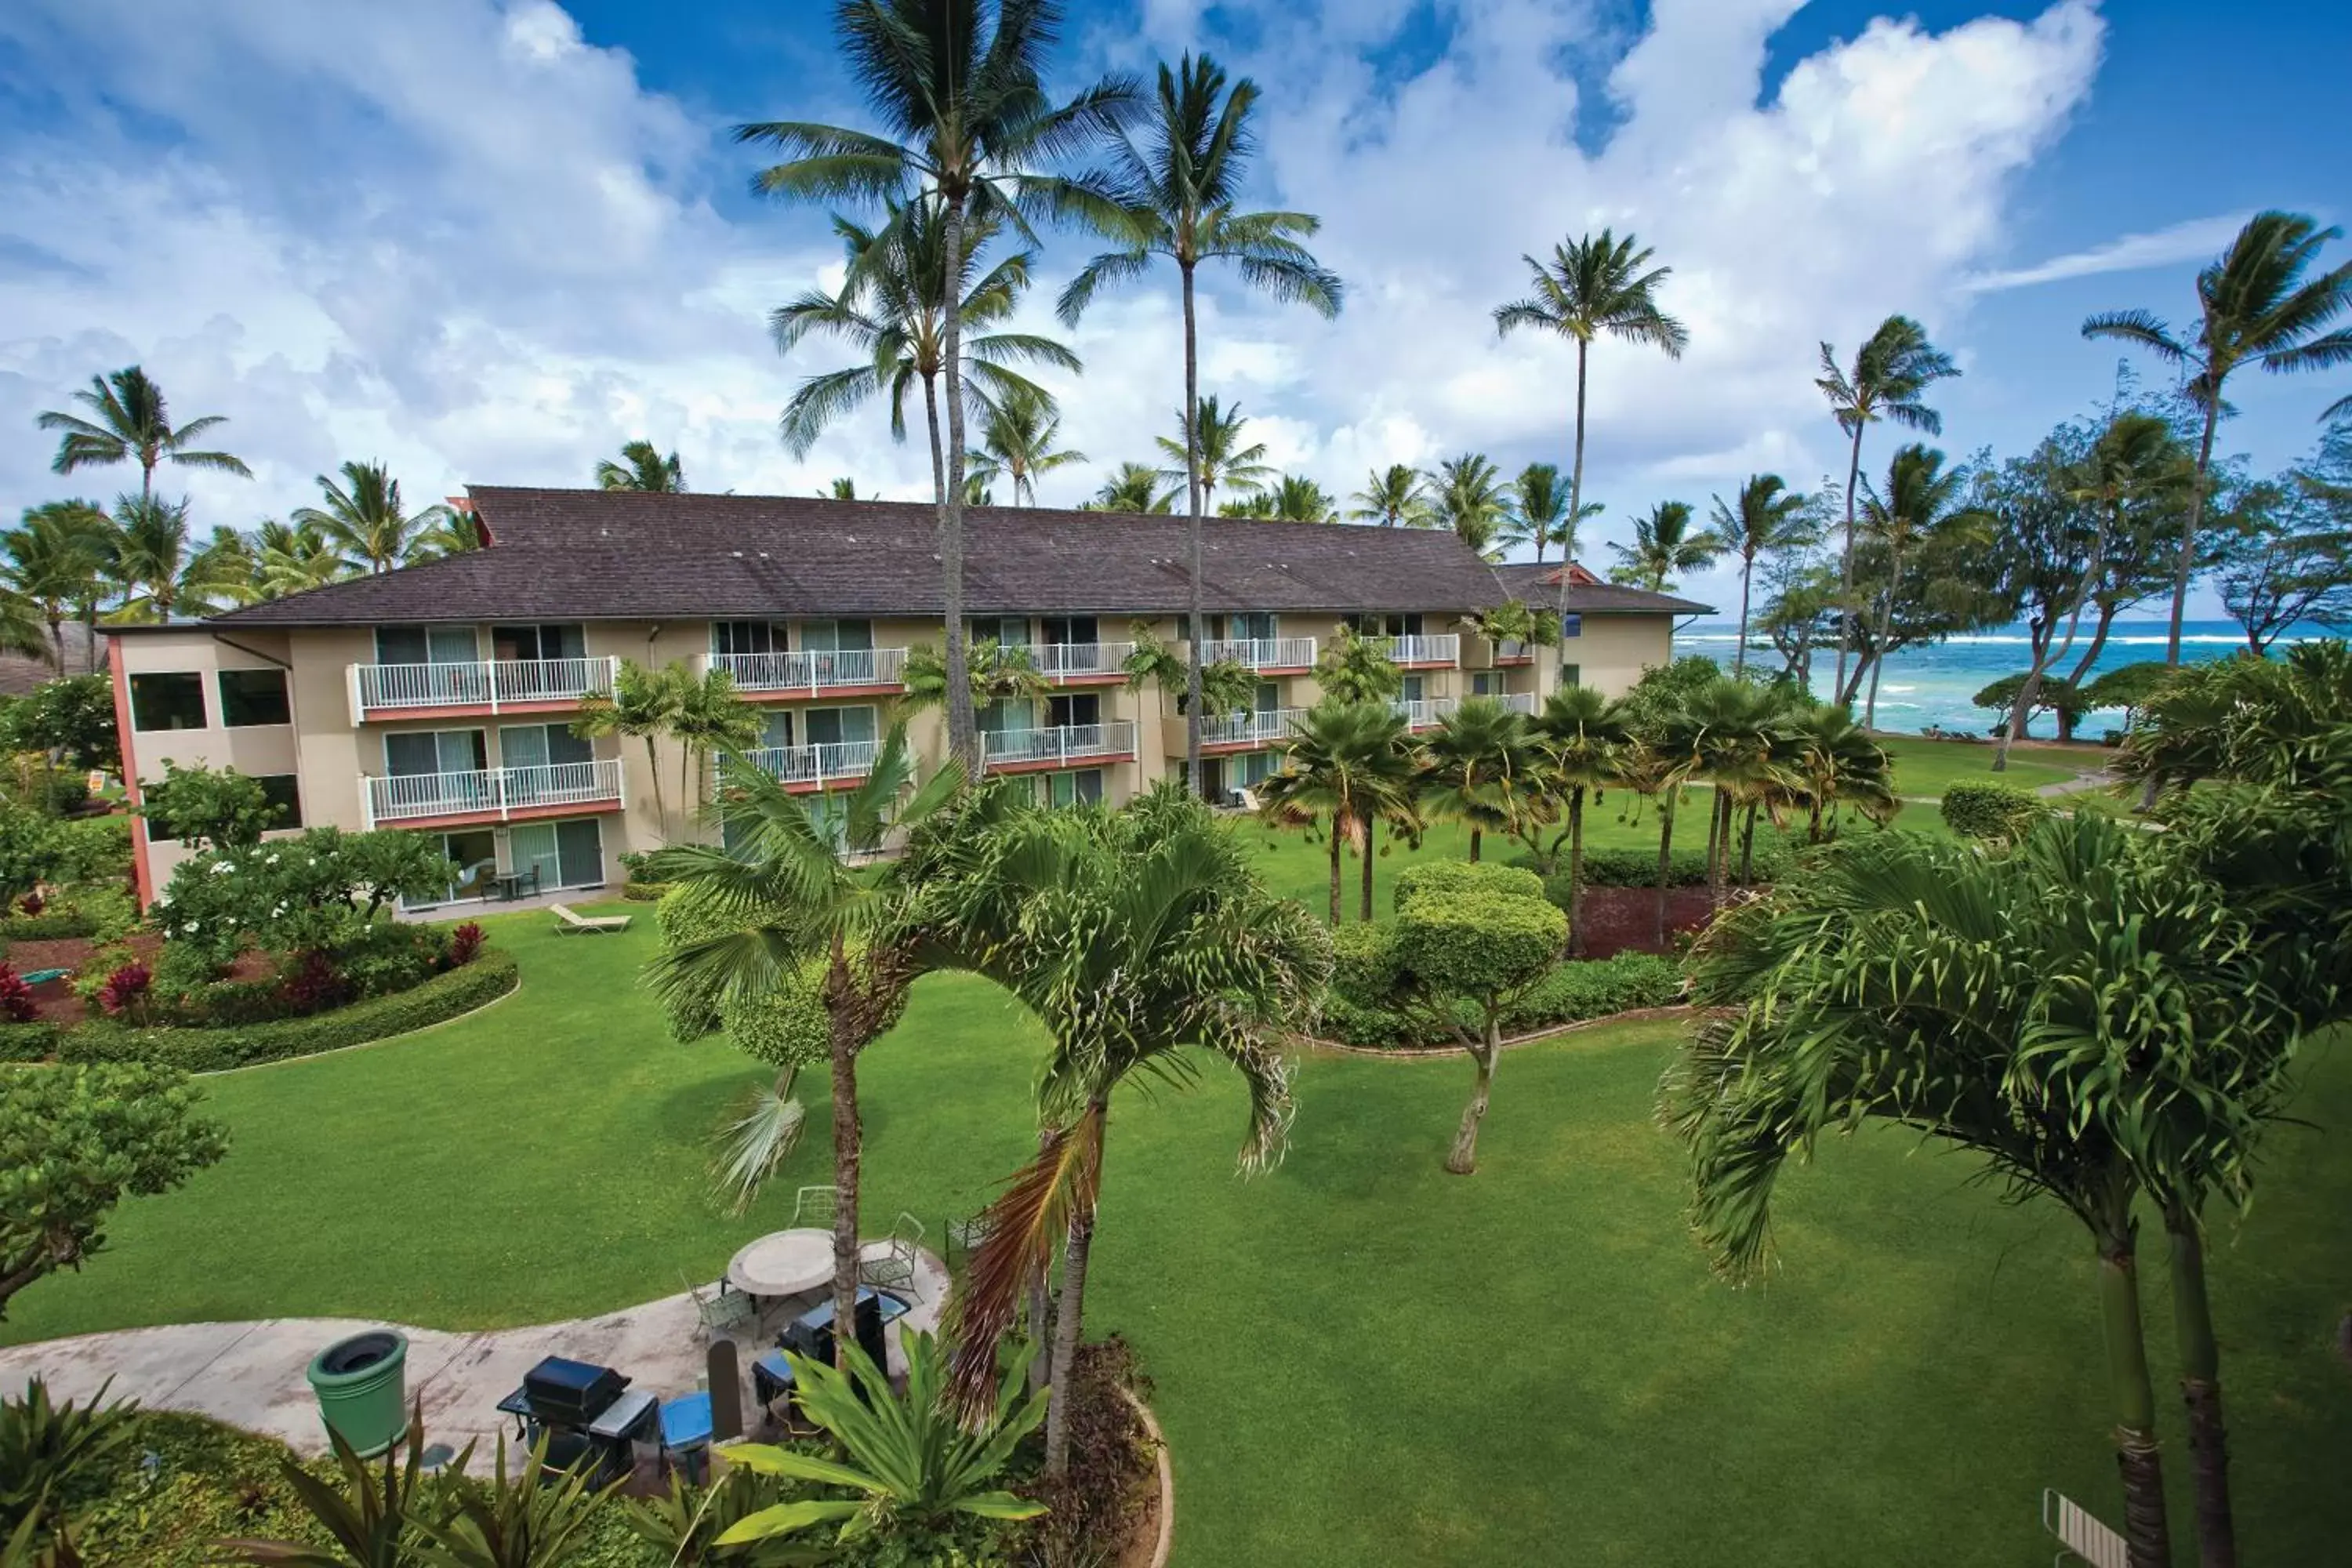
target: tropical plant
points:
(363, 518)
(1585, 740)
(369, 1520)
(132, 423)
(1467, 496)
(1218, 455)
(1136, 938)
(712, 718)
(1352, 763)
(1738, 744)
(959, 91)
(207, 809)
(1296, 498)
(51, 1450)
(2283, 560)
(51, 561)
(293, 559)
(1258, 504)
(1477, 768)
(1479, 946)
(534, 1517)
(1768, 519)
(1538, 514)
(1837, 766)
(159, 568)
(1016, 442)
(1891, 373)
(1135, 486)
(840, 490)
(1227, 686)
(997, 672)
(643, 705)
(1355, 668)
(1920, 498)
(642, 468)
(2137, 474)
(1393, 496)
(804, 882)
(1663, 546)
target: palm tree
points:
(1477, 768)
(803, 883)
(996, 672)
(840, 490)
(1594, 285)
(1296, 498)
(1016, 442)
(293, 559)
(1918, 499)
(1663, 545)
(642, 468)
(1837, 763)
(133, 424)
(154, 560)
(1176, 185)
(1134, 936)
(1349, 762)
(1736, 739)
(711, 719)
(1585, 739)
(1390, 496)
(1768, 519)
(2254, 307)
(891, 309)
(1135, 486)
(1539, 508)
(1466, 495)
(959, 90)
(643, 705)
(1217, 460)
(52, 560)
(1891, 370)
(363, 517)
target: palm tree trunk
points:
(841, 1044)
(1740, 659)
(939, 455)
(2098, 644)
(57, 642)
(1846, 560)
(1885, 623)
(1747, 848)
(1665, 862)
(1194, 502)
(1069, 1321)
(1338, 819)
(1575, 511)
(2137, 1454)
(1718, 865)
(2028, 692)
(1714, 830)
(1474, 837)
(2186, 567)
(1364, 904)
(661, 808)
(2200, 1388)
(1462, 1158)
(964, 730)
(1576, 871)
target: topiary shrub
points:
(1365, 966)
(1440, 877)
(1991, 811)
(1595, 988)
(786, 1029)
(1480, 950)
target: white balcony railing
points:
(1260, 653)
(1259, 727)
(490, 683)
(401, 797)
(1423, 713)
(824, 762)
(1518, 702)
(1062, 743)
(1510, 651)
(1443, 648)
(1063, 660)
(813, 670)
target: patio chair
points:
(895, 1264)
(725, 1308)
(815, 1207)
(568, 922)
(1249, 801)
(965, 1235)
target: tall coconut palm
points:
(293, 558)
(1768, 519)
(2254, 307)
(132, 423)
(1297, 499)
(1919, 497)
(365, 518)
(803, 883)
(1391, 496)
(1217, 458)
(1592, 285)
(1538, 509)
(52, 560)
(1466, 495)
(892, 310)
(1477, 768)
(958, 88)
(1016, 443)
(1135, 486)
(642, 468)
(1663, 545)
(1177, 177)
(1350, 764)
(1892, 368)
(1585, 739)
(154, 560)
(643, 705)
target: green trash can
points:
(361, 1384)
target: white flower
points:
(273, 860)
(222, 868)
(191, 928)
(163, 900)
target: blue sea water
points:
(1931, 685)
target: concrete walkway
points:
(251, 1375)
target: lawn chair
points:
(568, 922)
(815, 1207)
(1249, 801)
(894, 1264)
(965, 1235)
(2081, 1533)
(726, 1308)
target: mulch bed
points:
(1625, 920)
(57, 1002)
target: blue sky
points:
(488, 240)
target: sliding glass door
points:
(565, 854)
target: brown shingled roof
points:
(1540, 584)
(625, 555)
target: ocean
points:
(1930, 685)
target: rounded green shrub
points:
(1447, 877)
(785, 1028)
(1475, 944)
(1991, 811)
(1364, 963)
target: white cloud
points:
(2197, 241)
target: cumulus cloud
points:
(456, 234)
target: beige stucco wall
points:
(1612, 651)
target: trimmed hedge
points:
(645, 892)
(436, 1000)
(1992, 810)
(28, 1042)
(1449, 876)
(47, 926)
(1364, 961)
(1570, 993)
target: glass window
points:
(537, 745)
(746, 636)
(1006, 715)
(1571, 675)
(252, 696)
(167, 701)
(1084, 708)
(1072, 629)
(1413, 687)
(1247, 769)
(1571, 624)
(425, 645)
(1269, 697)
(1486, 683)
(552, 639)
(1258, 625)
(837, 726)
(1081, 788)
(851, 636)
(410, 752)
(284, 793)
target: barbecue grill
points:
(587, 1415)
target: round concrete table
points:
(783, 1263)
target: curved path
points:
(251, 1375)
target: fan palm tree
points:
(1919, 497)
(52, 560)
(1349, 762)
(1135, 486)
(1738, 741)
(643, 705)
(1538, 509)
(1585, 739)
(1177, 178)
(133, 424)
(959, 90)
(1591, 286)
(1016, 443)
(1663, 546)
(1838, 765)
(1391, 496)
(642, 468)
(1466, 495)
(1136, 938)
(805, 883)
(1891, 371)
(1477, 767)
(1217, 460)
(1769, 517)
(2255, 307)
(363, 518)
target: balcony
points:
(1440, 651)
(1063, 746)
(1261, 653)
(1259, 727)
(493, 686)
(1082, 662)
(814, 672)
(493, 794)
(819, 766)
(1428, 713)
(1518, 702)
(1511, 650)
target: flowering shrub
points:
(15, 996)
(126, 991)
(33, 903)
(320, 892)
(314, 985)
(464, 943)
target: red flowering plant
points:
(465, 943)
(127, 992)
(16, 999)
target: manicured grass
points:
(1928, 768)
(1359, 1359)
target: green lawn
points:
(1359, 1359)
(1928, 768)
